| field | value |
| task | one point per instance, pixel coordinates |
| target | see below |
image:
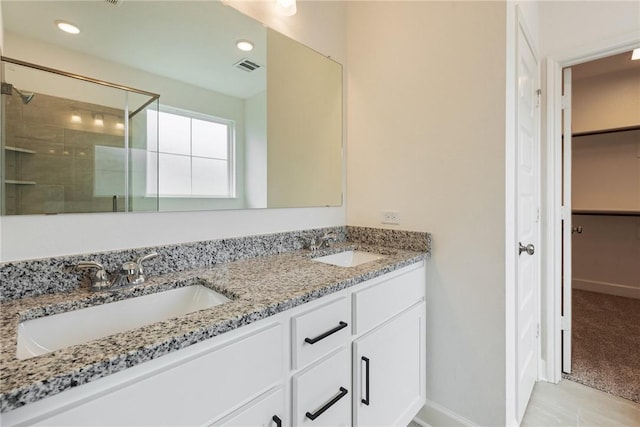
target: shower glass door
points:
(65, 143)
(143, 164)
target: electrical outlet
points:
(391, 217)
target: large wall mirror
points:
(191, 122)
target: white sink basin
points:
(348, 258)
(49, 333)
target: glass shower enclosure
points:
(73, 144)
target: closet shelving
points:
(605, 131)
(604, 210)
(609, 212)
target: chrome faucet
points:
(313, 244)
(327, 239)
(100, 278)
(131, 273)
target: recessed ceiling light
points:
(67, 27)
(636, 54)
(244, 45)
(286, 7)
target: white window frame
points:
(231, 153)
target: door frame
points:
(553, 259)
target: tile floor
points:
(571, 404)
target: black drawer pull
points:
(366, 384)
(341, 325)
(276, 419)
(329, 404)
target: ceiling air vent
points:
(114, 2)
(247, 65)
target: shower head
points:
(25, 96)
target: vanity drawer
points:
(380, 302)
(323, 392)
(317, 332)
(190, 393)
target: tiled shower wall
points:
(51, 164)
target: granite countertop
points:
(258, 287)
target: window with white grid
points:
(193, 154)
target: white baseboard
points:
(606, 288)
(435, 415)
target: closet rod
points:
(606, 213)
(600, 132)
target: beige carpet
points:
(606, 343)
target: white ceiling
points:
(189, 41)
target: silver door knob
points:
(530, 249)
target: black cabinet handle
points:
(341, 325)
(329, 404)
(366, 384)
(276, 419)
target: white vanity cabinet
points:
(389, 353)
(355, 357)
(389, 370)
(191, 387)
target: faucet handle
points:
(327, 238)
(330, 236)
(89, 264)
(100, 278)
(142, 259)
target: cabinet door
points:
(265, 411)
(389, 371)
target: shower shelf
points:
(17, 182)
(19, 150)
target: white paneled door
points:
(527, 223)
(566, 220)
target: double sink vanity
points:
(260, 332)
(271, 330)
